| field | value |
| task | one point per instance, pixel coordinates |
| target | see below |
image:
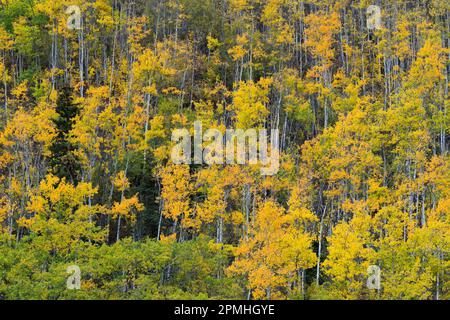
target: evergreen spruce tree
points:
(63, 162)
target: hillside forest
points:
(89, 98)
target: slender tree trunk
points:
(319, 252)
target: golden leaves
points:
(126, 208)
(121, 181)
(274, 250)
(249, 103)
(176, 191)
(320, 35)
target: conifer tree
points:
(63, 162)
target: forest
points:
(92, 90)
